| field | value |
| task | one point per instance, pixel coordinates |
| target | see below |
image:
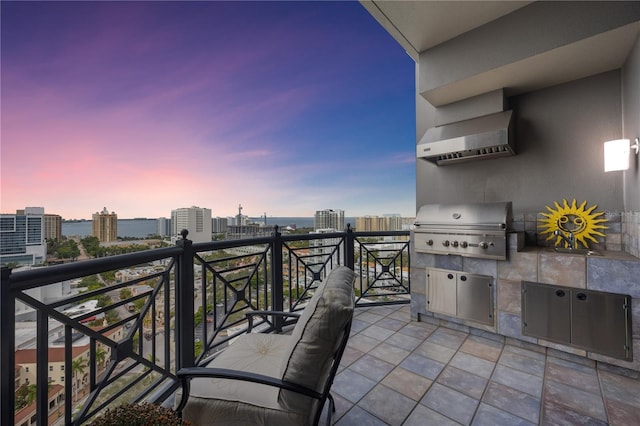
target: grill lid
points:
(495, 216)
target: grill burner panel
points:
(482, 245)
(472, 230)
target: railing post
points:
(7, 351)
(184, 302)
(42, 367)
(277, 288)
(349, 247)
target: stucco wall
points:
(631, 127)
(559, 136)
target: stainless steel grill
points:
(472, 230)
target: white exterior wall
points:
(194, 219)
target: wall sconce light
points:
(616, 154)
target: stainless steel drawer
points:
(475, 298)
(595, 321)
(599, 323)
(460, 294)
(546, 312)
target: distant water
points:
(141, 228)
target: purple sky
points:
(144, 107)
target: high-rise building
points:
(249, 230)
(387, 222)
(393, 221)
(163, 226)
(105, 226)
(22, 237)
(370, 223)
(196, 220)
(53, 227)
(219, 225)
(329, 219)
(323, 251)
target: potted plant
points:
(139, 415)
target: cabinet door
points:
(546, 312)
(441, 295)
(475, 298)
(600, 323)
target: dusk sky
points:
(144, 107)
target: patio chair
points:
(276, 379)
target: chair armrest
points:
(186, 374)
(282, 314)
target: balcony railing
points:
(138, 318)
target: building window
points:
(8, 224)
(51, 368)
(62, 368)
(62, 378)
(26, 369)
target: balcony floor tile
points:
(401, 372)
(387, 404)
(488, 415)
(450, 403)
(462, 381)
(422, 415)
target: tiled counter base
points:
(614, 272)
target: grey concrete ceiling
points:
(420, 25)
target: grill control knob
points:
(464, 244)
(445, 243)
(454, 243)
(430, 242)
(483, 245)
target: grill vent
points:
(474, 154)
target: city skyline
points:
(144, 107)
(250, 215)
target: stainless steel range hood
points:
(489, 136)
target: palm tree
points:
(31, 393)
(77, 366)
(101, 356)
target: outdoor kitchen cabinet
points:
(460, 294)
(595, 321)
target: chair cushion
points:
(235, 402)
(204, 411)
(317, 336)
(254, 353)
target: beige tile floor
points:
(401, 372)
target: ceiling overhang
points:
(420, 26)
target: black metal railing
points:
(147, 314)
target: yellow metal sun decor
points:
(572, 219)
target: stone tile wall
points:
(615, 273)
(622, 233)
(631, 233)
